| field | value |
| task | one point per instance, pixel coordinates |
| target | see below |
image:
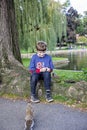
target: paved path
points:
(47, 116)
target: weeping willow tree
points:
(58, 20)
(39, 20)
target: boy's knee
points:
(34, 78)
(47, 74)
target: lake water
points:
(77, 60)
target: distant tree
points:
(85, 13)
(66, 4)
(82, 26)
(72, 22)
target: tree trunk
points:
(13, 76)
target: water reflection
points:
(78, 60)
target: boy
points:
(41, 65)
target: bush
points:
(85, 73)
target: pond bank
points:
(58, 63)
(53, 53)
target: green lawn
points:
(69, 75)
(26, 62)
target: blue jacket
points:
(37, 63)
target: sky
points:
(79, 5)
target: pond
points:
(77, 60)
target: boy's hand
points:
(47, 69)
(43, 69)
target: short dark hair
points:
(41, 46)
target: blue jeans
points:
(35, 77)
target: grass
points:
(69, 74)
(29, 50)
(26, 62)
(60, 98)
(58, 58)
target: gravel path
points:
(47, 116)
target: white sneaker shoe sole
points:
(37, 101)
(49, 100)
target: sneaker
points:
(49, 98)
(34, 99)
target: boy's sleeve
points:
(32, 65)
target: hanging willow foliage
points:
(39, 20)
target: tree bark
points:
(13, 76)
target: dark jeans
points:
(35, 77)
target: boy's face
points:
(41, 53)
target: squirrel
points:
(29, 121)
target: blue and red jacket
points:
(37, 63)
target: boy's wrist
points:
(38, 71)
(48, 69)
(43, 69)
